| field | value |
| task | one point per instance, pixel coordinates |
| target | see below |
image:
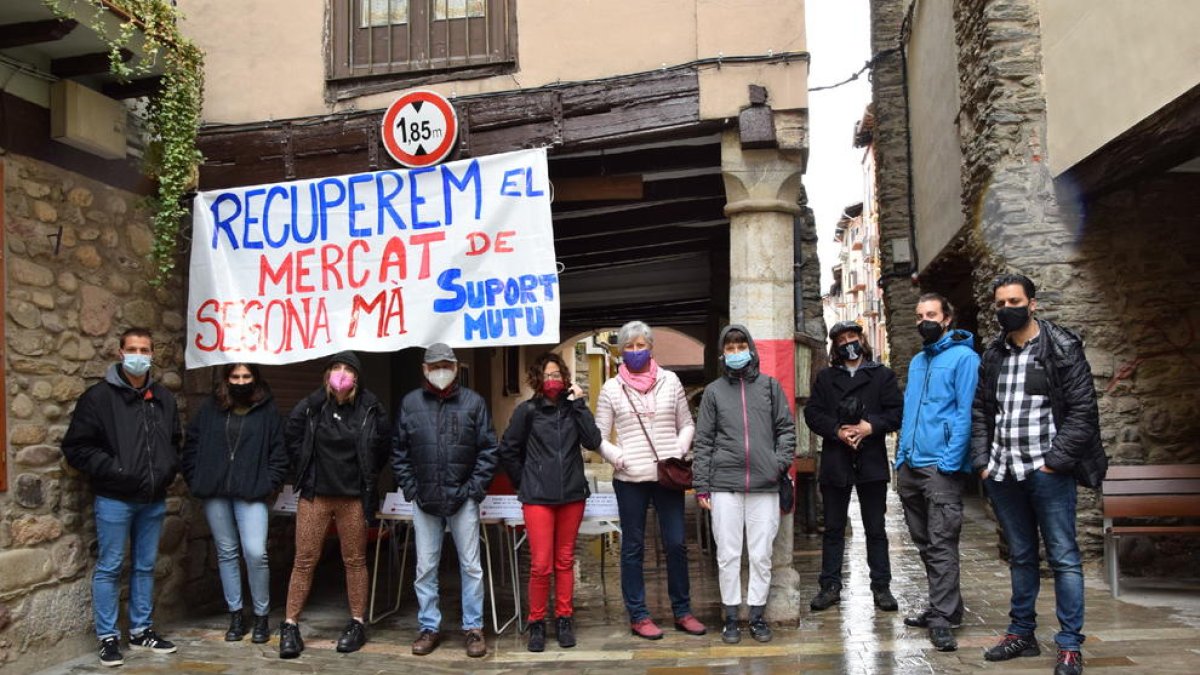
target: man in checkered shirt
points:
(1035, 435)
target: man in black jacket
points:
(125, 436)
(855, 403)
(444, 457)
(1035, 433)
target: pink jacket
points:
(665, 414)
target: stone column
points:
(762, 185)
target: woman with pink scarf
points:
(646, 407)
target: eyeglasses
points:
(552, 376)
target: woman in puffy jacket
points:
(646, 406)
(541, 453)
(234, 459)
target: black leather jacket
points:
(373, 440)
(1076, 447)
(541, 453)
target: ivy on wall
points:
(173, 112)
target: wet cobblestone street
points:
(852, 637)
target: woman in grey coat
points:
(745, 439)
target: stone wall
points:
(77, 275)
(892, 183)
(1133, 289)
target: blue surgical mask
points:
(136, 365)
(636, 360)
(737, 360)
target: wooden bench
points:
(1147, 491)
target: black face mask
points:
(931, 331)
(851, 351)
(1012, 318)
(241, 392)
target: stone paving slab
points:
(850, 638)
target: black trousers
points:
(872, 500)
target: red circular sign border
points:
(439, 153)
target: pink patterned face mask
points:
(341, 381)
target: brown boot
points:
(426, 642)
(476, 645)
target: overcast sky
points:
(839, 41)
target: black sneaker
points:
(290, 642)
(566, 632)
(731, 634)
(828, 597)
(237, 627)
(148, 640)
(110, 652)
(759, 630)
(262, 630)
(537, 636)
(353, 637)
(942, 639)
(1070, 662)
(884, 599)
(1013, 646)
(922, 620)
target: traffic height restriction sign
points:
(419, 128)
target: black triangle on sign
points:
(417, 105)
(420, 151)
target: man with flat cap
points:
(444, 456)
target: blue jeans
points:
(235, 521)
(1042, 502)
(464, 529)
(119, 521)
(632, 501)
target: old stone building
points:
(1058, 140)
(76, 242)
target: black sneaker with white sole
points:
(150, 641)
(110, 652)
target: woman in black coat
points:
(234, 459)
(855, 402)
(541, 452)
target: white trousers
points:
(755, 514)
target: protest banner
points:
(461, 253)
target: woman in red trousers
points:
(541, 452)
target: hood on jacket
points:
(955, 337)
(751, 370)
(1060, 338)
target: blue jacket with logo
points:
(937, 404)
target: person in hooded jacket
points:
(745, 441)
(125, 434)
(932, 457)
(855, 402)
(541, 453)
(444, 457)
(337, 439)
(233, 460)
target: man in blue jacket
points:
(444, 455)
(933, 456)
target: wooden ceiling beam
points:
(35, 32)
(658, 214)
(147, 86)
(86, 64)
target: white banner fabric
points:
(461, 253)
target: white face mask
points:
(441, 377)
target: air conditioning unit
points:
(88, 120)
